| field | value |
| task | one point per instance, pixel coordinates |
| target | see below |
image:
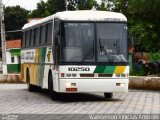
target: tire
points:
(31, 88)
(52, 93)
(108, 95)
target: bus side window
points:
(24, 38)
(28, 39)
(37, 40)
(46, 34)
(49, 33)
(32, 37)
(43, 34)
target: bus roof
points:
(81, 15)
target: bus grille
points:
(86, 75)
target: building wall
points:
(12, 66)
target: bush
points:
(152, 67)
(153, 57)
(139, 72)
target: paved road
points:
(15, 98)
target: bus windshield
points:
(94, 42)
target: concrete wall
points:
(10, 78)
(150, 83)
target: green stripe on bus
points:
(40, 68)
(105, 69)
(109, 69)
(99, 69)
(42, 54)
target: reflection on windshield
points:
(112, 42)
(79, 44)
(104, 52)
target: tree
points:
(86, 4)
(54, 6)
(41, 11)
(45, 9)
(143, 21)
(106, 5)
(15, 18)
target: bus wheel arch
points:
(31, 87)
(27, 76)
(51, 91)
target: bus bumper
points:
(93, 85)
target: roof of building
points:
(81, 15)
(13, 44)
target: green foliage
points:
(15, 18)
(105, 5)
(45, 9)
(53, 6)
(140, 72)
(153, 57)
(143, 21)
(41, 11)
(86, 4)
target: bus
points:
(76, 52)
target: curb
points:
(10, 78)
(142, 82)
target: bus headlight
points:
(68, 85)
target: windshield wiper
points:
(117, 47)
(102, 50)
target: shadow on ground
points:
(77, 97)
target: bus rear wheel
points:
(52, 93)
(108, 95)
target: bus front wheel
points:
(52, 93)
(108, 95)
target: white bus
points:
(76, 52)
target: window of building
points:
(12, 59)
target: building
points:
(13, 55)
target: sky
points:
(27, 4)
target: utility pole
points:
(3, 41)
(66, 5)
